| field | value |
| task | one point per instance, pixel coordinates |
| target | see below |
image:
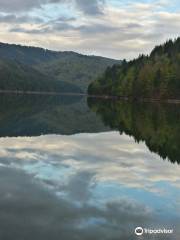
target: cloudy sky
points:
(112, 28)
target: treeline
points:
(154, 76)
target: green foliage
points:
(155, 124)
(155, 76)
(24, 68)
(77, 69)
(17, 77)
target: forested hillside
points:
(154, 76)
(18, 77)
(77, 69)
(20, 64)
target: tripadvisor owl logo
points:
(139, 231)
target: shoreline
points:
(151, 100)
(40, 93)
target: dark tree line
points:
(153, 76)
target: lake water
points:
(78, 169)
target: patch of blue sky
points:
(126, 2)
(157, 201)
(54, 11)
(175, 6)
(168, 5)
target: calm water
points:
(73, 169)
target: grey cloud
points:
(92, 7)
(133, 25)
(44, 29)
(7, 18)
(97, 28)
(60, 24)
(66, 19)
(33, 31)
(66, 25)
(12, 18)
(21, 5)
(18, 5)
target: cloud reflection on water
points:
(101, 185)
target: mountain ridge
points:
(67, 66)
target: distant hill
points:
(16, 76)
(154, 76)
(26, 55)
(78, 69)
(37, 67)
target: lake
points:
(73, 168)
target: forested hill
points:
(155, 76)
(67, 68)
(26, 55)
(15, 76)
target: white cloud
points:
(97, 28)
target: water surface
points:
(71, 170)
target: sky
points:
(112, 28)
